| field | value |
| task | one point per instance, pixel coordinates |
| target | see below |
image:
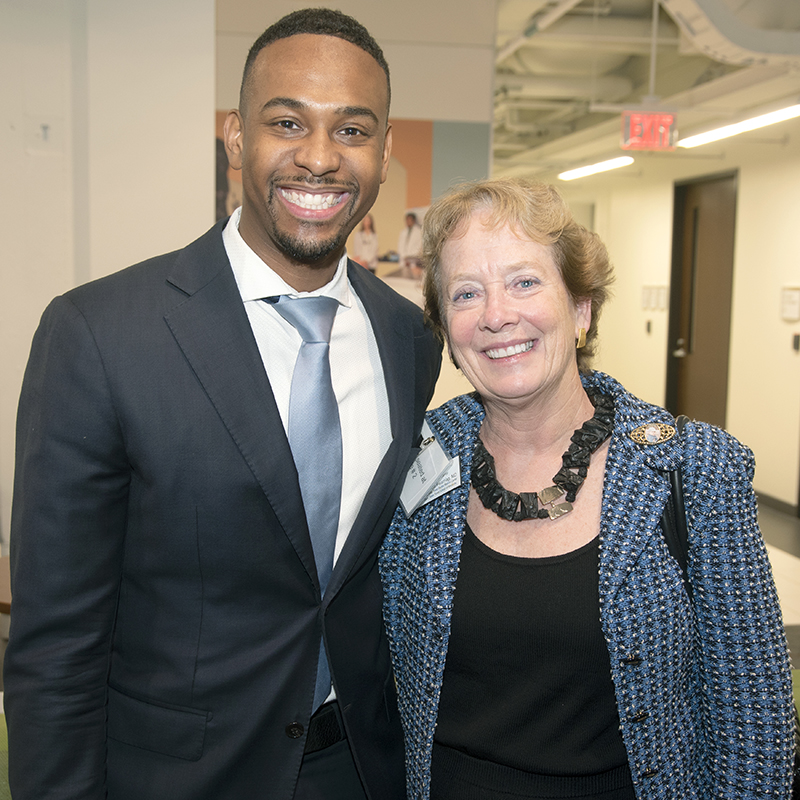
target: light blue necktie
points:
(315, 436)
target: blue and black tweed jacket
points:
(703, 688)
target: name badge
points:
(430, 476)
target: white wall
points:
(150, 126)
(637, 230)
(124, 168)
(764, 384)
(35, 205)
(633, 214)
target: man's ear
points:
(232, 133)
(387, 152)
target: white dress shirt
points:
(356, 370)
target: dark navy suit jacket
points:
(166, 612)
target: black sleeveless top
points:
(527, 680)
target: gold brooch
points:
(652, 433)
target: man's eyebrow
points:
(358, 111)
(299, 105)
(286, 102)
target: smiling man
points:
(313, 141)
(210, 447)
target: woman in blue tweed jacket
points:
(543, 642)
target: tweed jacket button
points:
(631, 661)
(294, 730)
(641, 716)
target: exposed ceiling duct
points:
(539, 22)
(599, 35)
(715, 30)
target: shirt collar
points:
(256, 280)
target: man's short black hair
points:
(322, 22)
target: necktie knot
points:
(312, 317)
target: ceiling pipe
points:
(623, 34)
(538, 128)
(509, 146)
(509, 116)
(538, 23)
(552, 87)
(653, 49)
(534, 104)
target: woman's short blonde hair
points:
(538, 212)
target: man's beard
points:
(308, 251)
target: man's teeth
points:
(312, 201)
(505, 352)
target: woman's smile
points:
(510, 350)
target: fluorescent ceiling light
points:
(741, 127)
(592, 169)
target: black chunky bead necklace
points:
(566, 482)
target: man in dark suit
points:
(169, 607)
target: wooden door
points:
(700, 298)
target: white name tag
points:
(430, 476)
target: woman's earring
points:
(581, 339)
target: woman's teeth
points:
(505, 352)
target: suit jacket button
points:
(640, 717)
(631, 661)
(295, 730)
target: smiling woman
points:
(571, 661)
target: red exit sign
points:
(645, 130)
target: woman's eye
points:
(526, 283)
(466, 294)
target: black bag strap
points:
(673, 520)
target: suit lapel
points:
(212, 329)
(394, 335)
